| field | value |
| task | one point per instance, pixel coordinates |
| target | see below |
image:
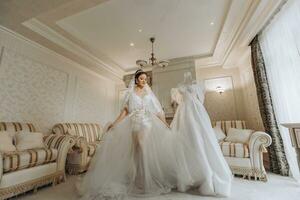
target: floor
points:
(277, 188)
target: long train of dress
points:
(140, 156)
(197, 147)
(136, 157)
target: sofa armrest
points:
(259, 141)
(62, 143)
(257, 145)
(80, 144)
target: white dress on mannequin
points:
(136, 157)
(197, 147)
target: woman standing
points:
(136, 153)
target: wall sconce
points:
(220, 90)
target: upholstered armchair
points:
(87, 136)
(245, 159)
(21, 171)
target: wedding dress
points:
(197, 147)
(136, 157)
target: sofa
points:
(21, 171)
(245, 159)
(87, 138)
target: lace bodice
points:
(140, 109)
(134, 102)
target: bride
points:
(136, 157)
(197, 146)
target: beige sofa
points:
(21, 171)
(245, 159)
(88, 137)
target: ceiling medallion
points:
(153, 62)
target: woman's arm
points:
(122, 115)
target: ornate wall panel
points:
(31, 91)
(90, 104)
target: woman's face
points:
(142, 80)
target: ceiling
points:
(182, 28)
(97, 33)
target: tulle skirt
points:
(136, 158)
(198, 151)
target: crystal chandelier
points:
(153, 62)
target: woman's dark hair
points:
(137, 74)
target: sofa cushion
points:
(6, 142)
(231, 149)
(29, 140)
(220, 135)
(17, 160)
(226, 125)
(238, 135)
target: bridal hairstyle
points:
(137, 75)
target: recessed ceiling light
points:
(140, 30)
(131, 44)
(211, 23)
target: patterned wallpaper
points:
(89, 105)
(229, 105)
(252, 112)
(31, 91)
(41, 87)
(214, 102)
(220, 106)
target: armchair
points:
(245, 159)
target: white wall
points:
(40, 86)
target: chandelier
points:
(153, 62)
(220, 90)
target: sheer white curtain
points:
(280, 44)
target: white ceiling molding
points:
(262, 15)
(242, 21)
(258, 19)
(232, 28)
(256, 14)
(182, 28)
(42, 29)
(70, 62)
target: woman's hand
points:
(122, 115)
(163, 119)
(110, 127)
